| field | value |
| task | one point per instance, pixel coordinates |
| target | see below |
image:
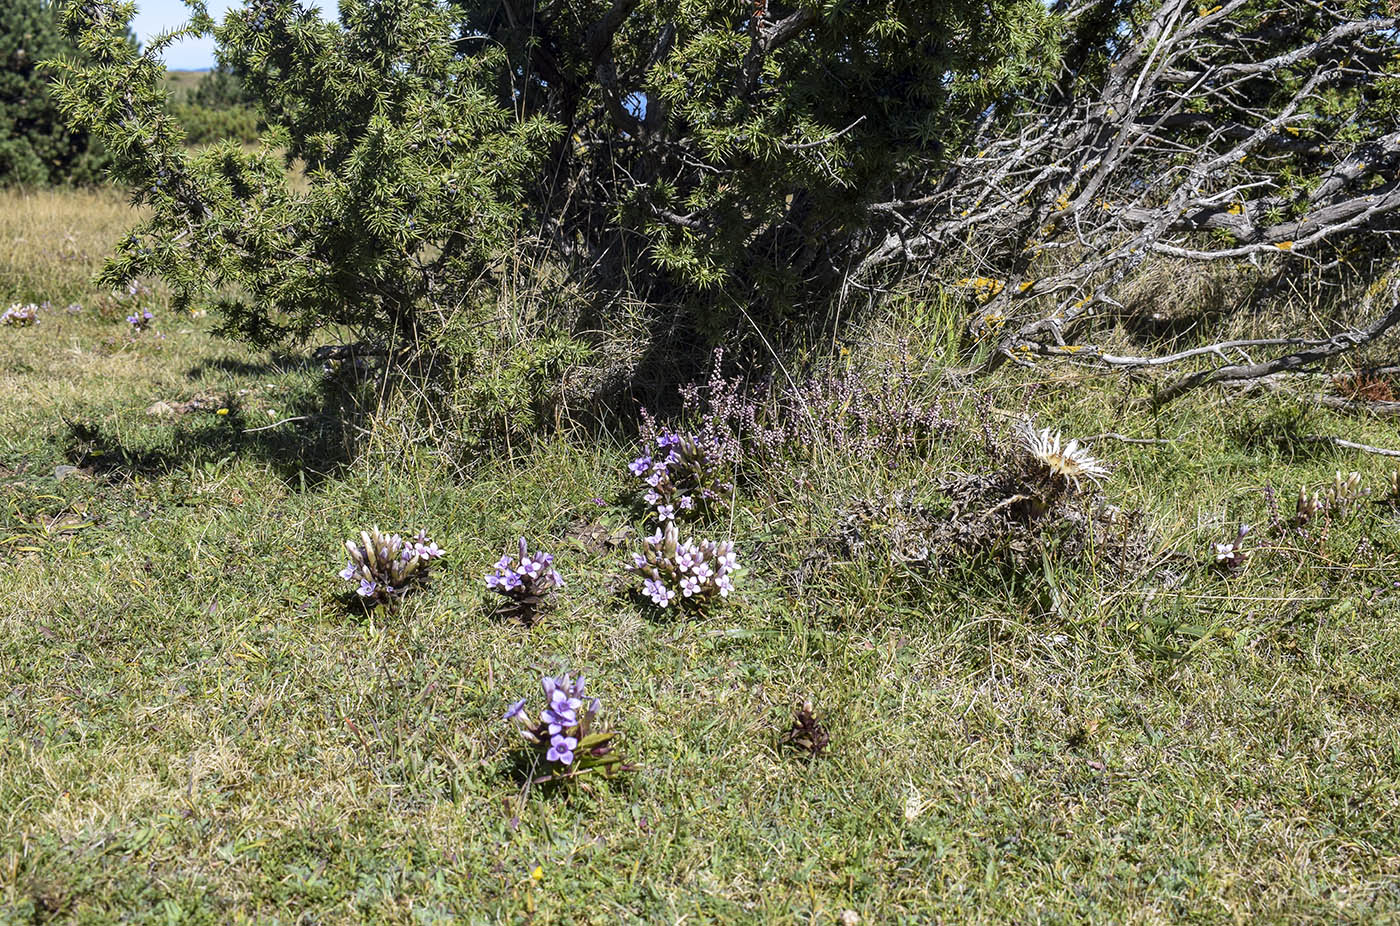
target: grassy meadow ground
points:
(194, 728)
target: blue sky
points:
(155, 16)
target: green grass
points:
(194, 728)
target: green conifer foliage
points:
(692, 152)
(36, 145)
(737, 147)
(413, 172)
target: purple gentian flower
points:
(728, 559)
(348, 573)
(666, 512)
(640, 465)
(562, 701)
(657, 592)
(561, 749)
(558, 719)
(367, 588)
(516, 712)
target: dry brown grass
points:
(53, 242)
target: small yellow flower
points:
(1284, 245)
(537, 874)
(222, 411)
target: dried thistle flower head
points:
(1065, 463)
(386, 565)
(807, 734)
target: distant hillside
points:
(180, 84)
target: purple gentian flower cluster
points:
(686, 573)
(384, 566)
(562, 730)
(682, 476)
(526, 580)
(533, 570)
(140, 320)
(20, 316)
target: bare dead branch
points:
(1351, 445)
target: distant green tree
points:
(221, 88)
(219, 109)
(37, 145)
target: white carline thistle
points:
(1069, 462)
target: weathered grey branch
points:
(1298, 360)
(1178, 151)
(1351, 445)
